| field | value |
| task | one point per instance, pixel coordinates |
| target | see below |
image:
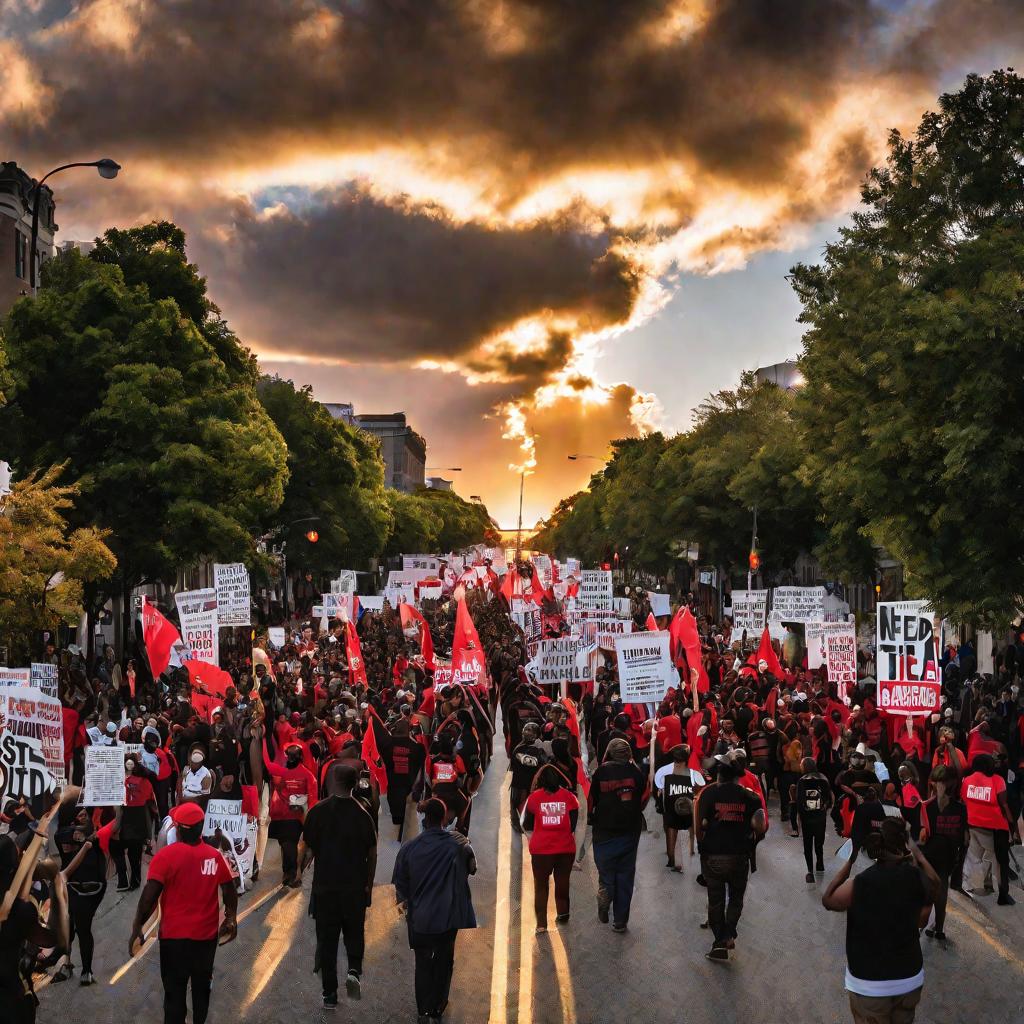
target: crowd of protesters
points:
(308, 740)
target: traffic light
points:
(312, 536)
(755, 560)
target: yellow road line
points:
(566, 992)
(989, 939)
(527, 924)
(502, 892)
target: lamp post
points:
(310, 535)
(106, 167)
(519, 527)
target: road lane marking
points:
(526, 938)
(502, 893)
(566, 992)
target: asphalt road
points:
(788, 966)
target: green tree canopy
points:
(172, 450)
(416, 527)
(913, 356)
(463, 523)
(335, 475)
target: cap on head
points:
(187, 815)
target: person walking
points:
(339, 837)
(727, 817)
(885, 906)
(551, 814)
(618, 794)
(990, 823)
(431, 880)
(185, 878)
(811, 796)
(293, 793)
(676, 784)
(943, 837)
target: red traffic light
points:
(605, 566)
(312, 536)
(755, 561)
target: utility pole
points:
(753, 550)
(519, 528)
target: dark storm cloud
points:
(366, 280)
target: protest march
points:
(202, 777)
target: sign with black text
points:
(905, 658)
(645, 666)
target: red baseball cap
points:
(187, 815)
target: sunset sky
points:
(554, 220)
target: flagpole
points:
(519, 528)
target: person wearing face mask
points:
(293, 793)
(160, 764)
(134, 825)
(196, 781)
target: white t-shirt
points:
(192, 780)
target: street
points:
(788, 965)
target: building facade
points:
(403, 450)
(438, 483)
(17, 191)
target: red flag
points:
(159, 636)
(468, 662)
(508, 585)
(690, 640)
(209, 684)
(675, 643)
(652, 623)
(354, 653)
(574, 727)
(104, 834)
(371, 754)
(409, 615)
(536, 587)
(572, 588)
(766, 652)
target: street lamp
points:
(106, 167)
(574, 458)
(442, 469)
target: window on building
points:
(20, 255)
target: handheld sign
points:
(907, 660)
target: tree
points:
(416, 527)
(912, 359)
(43, 564)
(173, 453)
(336, 477)
(463, 523)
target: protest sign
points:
(572, 567)
(645, 666)
(528, 620)
(430, 563)
(834, 646)
(622, 606)
(595, 590)
(345, 583)
(15, 677)
(231, 582)
(561, 660)
(275, 634)
(796, 604)
(402, 593)
(23, 771)
(27, 711)
(104, 777)
(43, 676)
(542, 563)
(337, 606)
(372, 603)
(906, 663)
(408, 577)
(591, 629)
(431, 592)
(749, 611)
(197, 610)
(227, 816)
(660, 604)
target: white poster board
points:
(23, 771)
(562, 660)
(429, 563)
(197, 611)
(796, 604)
(27, 711)
(43, 676)
(231, 581)
(645, 667)
(834, 646)
(345, 583)
(104, 777)
(749, 611)
(371, 602)
(595, 590)
(905, 658)
(660, 603)
(227, 816)
(275, 634)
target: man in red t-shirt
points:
(990, 823)
(293, 793)
(185, 877)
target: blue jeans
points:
(616, 868)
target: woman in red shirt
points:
(990, 823)
(293, 792)
(551, 814)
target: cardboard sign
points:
(562, 660)
(43, 676)
(337, 606)
(905, 658)
(345, 583)
(227, 816)
(595, 590)
(432, 592)
(104, 777)
(529, 621)
(231, 581)
(645, 667)
(23, 771)
(430, 563)
(275, 634)
(660, 603)
(27, 711)
(796, 604)
(834, 645)
(197, 610)
(372, 603)
(749, 611)
(15, 677)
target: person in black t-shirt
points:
(727, 817)
(527, 759)
(812, 797)
(943, 837)
(618, 793)
(339, 835)
(867, 819)
(885, 906)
